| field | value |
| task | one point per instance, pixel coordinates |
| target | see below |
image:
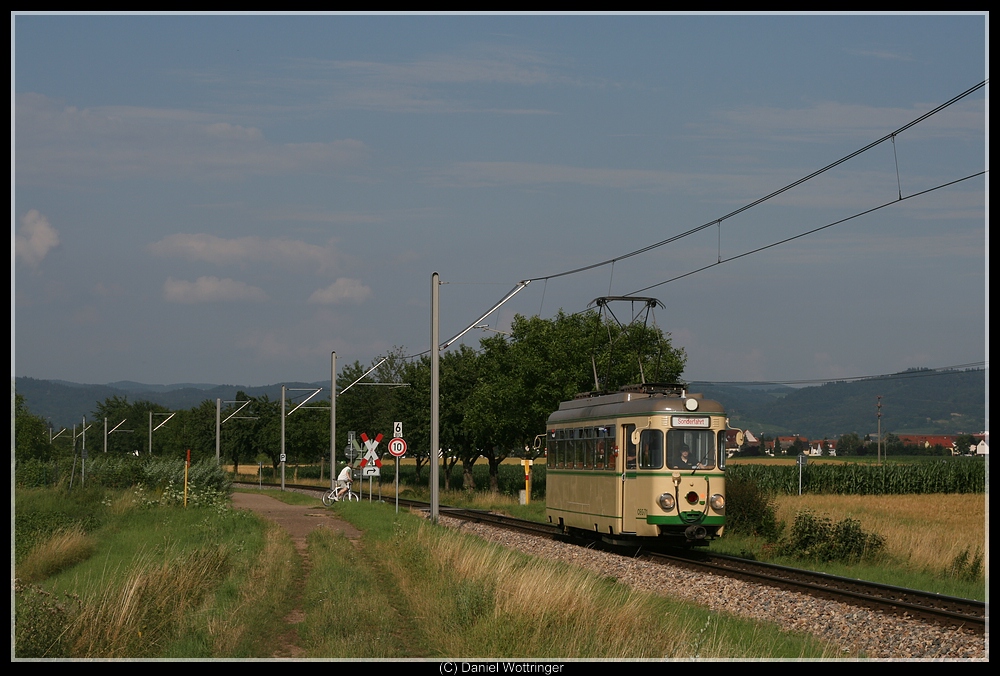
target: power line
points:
(720, 261)
(611, 261)
(761, 200)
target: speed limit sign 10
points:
(397, 447)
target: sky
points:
(228, 199)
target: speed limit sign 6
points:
(397, 447)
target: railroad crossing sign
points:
(397, 447)
(371, 465)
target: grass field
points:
(117, 579)
(931, 540)
(168, 582)
(922, 531)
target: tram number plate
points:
(640, 512)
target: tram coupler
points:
(695, 532)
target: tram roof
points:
(632, 403)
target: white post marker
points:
(398, 449)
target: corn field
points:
(950, 475)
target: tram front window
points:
(690, 449)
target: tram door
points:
(630, 498)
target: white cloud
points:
(344, 290)
(210, 290)
(427, 84)
(35, 238)
(212, 249)
(833, 120)
(114, 141)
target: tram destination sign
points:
(701, 421)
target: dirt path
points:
(299, 521)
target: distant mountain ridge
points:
(918, 401)
(65, 403)
(913, 402)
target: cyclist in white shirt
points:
(344, 481)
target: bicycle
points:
(331, 497)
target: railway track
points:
(946, 610)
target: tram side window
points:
(588, 448)
(605, 440)
(651, 449)
(630, 450)
(559, 446)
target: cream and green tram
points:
(645, 462)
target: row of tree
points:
(494, 401)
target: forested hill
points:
(914, 402)
(66, 403)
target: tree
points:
(523, 379)
(460, 381)
(848, 444)
(128, 424)
(414, 410)
(374, 402)
(963, 442)
(307, 432)
(238, 432)
(266, 429)
(893, 445)
(31, 435)
(193, 429)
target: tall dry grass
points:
(64, 549)
(136, 614)
(927, 531)
(494, 602)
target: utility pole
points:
(878, 410)
(218, 433)
(435, 393)
(333, 420)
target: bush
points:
(42, 622)
(818, 538)
(966, 567)
(751, 510)
(34, 473)
(40, 513)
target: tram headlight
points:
(667, 502)
(718, 502)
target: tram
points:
(644, 463)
